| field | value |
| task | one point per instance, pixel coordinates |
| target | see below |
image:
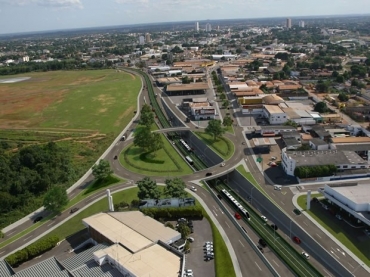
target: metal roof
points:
(93, 269)
(5, 269)
(47, 268)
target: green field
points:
(222, 146)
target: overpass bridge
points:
(174, 129)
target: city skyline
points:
(42, 15)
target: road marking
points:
(27, 238)
(318, 235)
(203, 193)
(10, 233)
(227, 224)
(95, 196)
(273, 193)
(327, 272)
(214, 212)
(282, 202)
(50, 224)
(276, 263)
(348, 263)
(335, 255)
(258, 266)
(305, 223)
(241, 243)
(2, 252)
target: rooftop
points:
(278, 127)
(273, 109)
(358, 194)
(264, 141)
(351, 140)
(147, 263)
(325, 157)
(191, 86)
(354, 147)
(318, 141)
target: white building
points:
(197, 26)
(301, 24)
(343, 160)
(141, 40)
(274, 114)
(208, 27)
(353, 199)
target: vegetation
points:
(32, 251)
(175, 188)
(315, 171)
(228, 121)
(146, 116)
(174, 213)
(215, 129)
(56, 199)
(223, 146)
(321, 107)
(183, 229)
(148, 189)
(102, 170)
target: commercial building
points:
(274, 114)
(272, 131)
(187, 89)
(344, 160)
(352, 198)
(208, 27)
(288, 23)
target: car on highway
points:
(262, 243)
(115, 157)
(297, 211)
(219, 196)
(73, 210)
(305, 255)
(274, 227)
(208, 174)
(192, 188)
(223, 164)
(276, 187)
(260, 248)
(264, 218)
(338, 216)
(297, 240)
(37, 219)
(237, 216)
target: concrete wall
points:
(175, 121)
(245, 189)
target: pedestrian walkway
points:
(348, 252)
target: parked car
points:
(223, 164)
(264, 218)
(191, 239)
(37, 219)
(297, 240)
(192, 188)
(297, 211)
(276, 187)
(305, 255)
(73, 210)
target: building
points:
(301, 24)
(197, 26)
(343, 160)
(318, 144)
(352, 198)
(167, 203)
(187, 89)
(147, 38)
(208, 27)
(272, 131)
(288, 23)
(141, 40)
(274, 114)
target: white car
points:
(191, 239)
(264, 218)
(273, 158)
(208, 242)
(223, 164)
(277, 187)
(305, 255)
(189, 271)
(193, 188)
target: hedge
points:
(174, 213)
(33, 250)
(315, 171)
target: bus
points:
(189, 160)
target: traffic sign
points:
(259, 160)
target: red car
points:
(297, 240)
(237, 216)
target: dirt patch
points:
(86, 80)
(105, 99)
(133, 77)
(128, 112)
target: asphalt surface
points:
(250, 263)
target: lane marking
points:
(327, 272)
(273, 193)
(282, 202)
(27, 238)
(348, 263)
(50, 224)
(276, 263)
(258, 266)
(318, 236)
(305, 223)
(214, 212)
(203, 193)
(335, 255)
(241, 243)
(10, 233)
(2, 252)
(227, 224)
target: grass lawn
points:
(345, 234)
(165, 162)
(222, 146)
(75, 224)
(230, 129)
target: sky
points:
(40, 15)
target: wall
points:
(237, 182)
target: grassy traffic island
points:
(222, 146)
(347, 235)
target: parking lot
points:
(195, 260)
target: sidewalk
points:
(348, 252)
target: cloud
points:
(47, 3)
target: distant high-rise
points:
(147, 37)
(197, 26)
(208, 27)
(141, 40)
(289, 23)
(301, 24)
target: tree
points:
(343, 97)
(148, 189)
(55, 199)
(340, 79)
(142, 138)
(321, 107)
(183, 229)
(175, 188)
(146, 116)
(222, 96)
(228, 121)
(156, 142)
(225, 103)
(214, 128)
(101, 170)
(322, 86)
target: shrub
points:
(174, 213)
